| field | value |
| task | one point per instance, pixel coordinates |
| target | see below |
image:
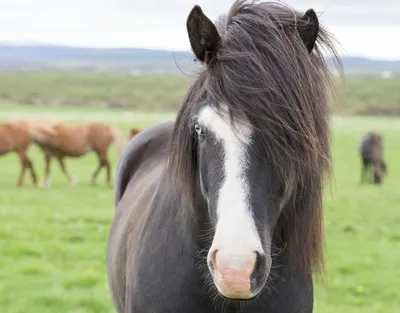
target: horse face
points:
(377, 178)
(243, 203)
(379, 172)
(133, 132)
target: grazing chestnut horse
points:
(371, 150)
(133, 132)
(17, 136)
(221, 211)
(75, 141)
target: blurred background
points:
(128, 64)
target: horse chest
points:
(6, 145)
(180, 289)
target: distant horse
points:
(75, 141)
(371, 150)
(133, 132)
(225, 204)
(17, 136)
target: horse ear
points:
(308, 29)
(203, 35)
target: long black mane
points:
(261, 70)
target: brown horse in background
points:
(62, 141)
(133, 132)
(17, 136)
(371, 149)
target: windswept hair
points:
(262, 71)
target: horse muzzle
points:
(238, 277)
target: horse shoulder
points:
(20, 134)
(6, 140)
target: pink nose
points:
(232, 274)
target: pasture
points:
(364, 94)
(53, 239)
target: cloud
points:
(364, 27)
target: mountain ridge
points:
(131, 60)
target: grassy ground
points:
(364, 94)
(53, 240)
(362, 232)
(149, 92)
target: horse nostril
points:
(258, 272)
(212, 263)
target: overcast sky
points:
(368, 28)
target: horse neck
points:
(195, 211)
(41, 133)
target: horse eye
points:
(200, 132)
(198, 129)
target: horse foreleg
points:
(96, 173)
(108, 167)
(47, 160)
(364, 171)
(102, 162)
(32, 170)
(371, 171)
(23, 162)
(72, 178)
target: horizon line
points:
(43, 44)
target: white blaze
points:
(236, 233)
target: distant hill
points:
(75, 59)
(358, 65)
(135, 61)
(49, 52)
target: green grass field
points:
(53, 240)
(364, 95)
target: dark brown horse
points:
(61, 141)
(371, 151)
(221, 211)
